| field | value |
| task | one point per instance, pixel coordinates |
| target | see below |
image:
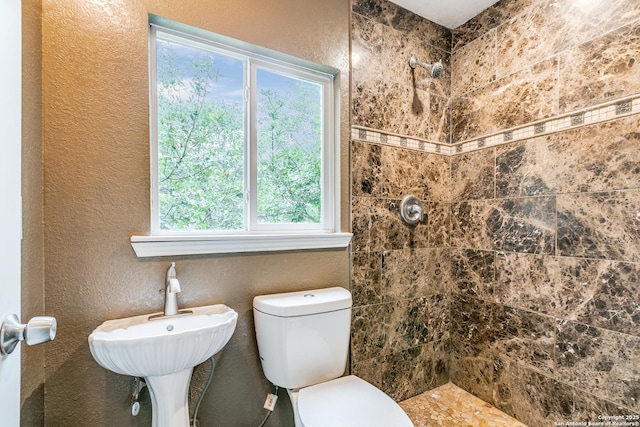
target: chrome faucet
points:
(172, 291)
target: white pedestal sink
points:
(164, 350)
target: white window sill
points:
(152, 246)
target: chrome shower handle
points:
(414, 210)
(411, 210)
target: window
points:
(243, 148)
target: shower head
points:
(434, 69)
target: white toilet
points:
(303, 340)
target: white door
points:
(10, 197)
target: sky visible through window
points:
(229, 88)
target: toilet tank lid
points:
(303, 303)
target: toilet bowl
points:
(348, 401)
(303, 341)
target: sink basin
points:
(141, 347)
(164, 350)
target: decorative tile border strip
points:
(587, 116)
(360, 133)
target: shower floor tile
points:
(450, 406)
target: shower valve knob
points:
(411, 210)
(38, 330)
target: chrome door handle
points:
(39, 330)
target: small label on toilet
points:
(270, 403)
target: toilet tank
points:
(303, 337)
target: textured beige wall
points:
(96, 195)
(32, 408)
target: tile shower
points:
(523, 285)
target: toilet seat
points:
(349, 402)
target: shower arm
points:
(415, 61)
(434, 69)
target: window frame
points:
(255, 237)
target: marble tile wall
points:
(541, 58)
(545, 240)
(523, 285)
(387, 94)
(400, 274)
(545, 232)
